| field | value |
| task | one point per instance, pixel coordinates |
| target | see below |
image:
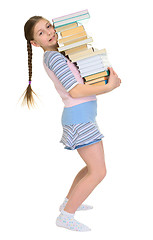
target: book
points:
(70, 18)
(72, 37)
(88, 40)
(94, 53)
(67, 21)
(97, 75)
(72, 31)
(76, 49)
(66, 27)
(74, 41)
(91, 65)
(96, 80)
(81, 53)
(92, 71)
(92, 59)
(99, 83)
(70, 15)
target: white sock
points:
(67, 220)
(81, 207)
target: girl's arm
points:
(82, 90)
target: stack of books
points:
(73, 40)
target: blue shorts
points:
(79, 146)
(79, 126)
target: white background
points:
(36, 171)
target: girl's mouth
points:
(52, 38)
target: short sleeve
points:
(57, 63)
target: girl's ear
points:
(34, 43)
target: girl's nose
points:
(49, 33)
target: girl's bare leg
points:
(93, 156)
(78, 177)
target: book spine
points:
(97, 83)
(66, 27)
(89, 55)
(90, 65)
(93, 72)
(89, 59)
(75, 44)
(72, 31)
(70, 15)
(62, 23)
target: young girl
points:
(80, 129)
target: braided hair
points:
(28, 32)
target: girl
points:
(80, 130)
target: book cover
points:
(70, 15)
(72, 37)
(97, 80)
(98, 83)
(91, 65)
(82, 53)
(71, 20)
(72, 31)
(76, 49)
(94, 53)
(100, 69)
(66, 27)
(88, 40)
(97, 75)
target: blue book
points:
(70, 18)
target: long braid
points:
(29, 49)
(28, 32)
(28, 98)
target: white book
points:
(70, 15)
(76, 44)
(99, 57)
(71, 20)
(91, 68)
(90, 64)
(90, 59)
(93, 72)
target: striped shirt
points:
(65, 76)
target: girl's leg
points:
(93, 156)
(78, 177)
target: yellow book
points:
(72, 31)
(76, 49)
(83, 52)
(66, 27)
(75, 40)
(97, 80)
(75, 59)
(72, 37)
(97, 83)
(96, 75)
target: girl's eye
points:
(49, 26)
(40, 33)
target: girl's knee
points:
(101, 174)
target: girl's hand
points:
(113, 81)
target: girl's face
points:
(45, 36)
